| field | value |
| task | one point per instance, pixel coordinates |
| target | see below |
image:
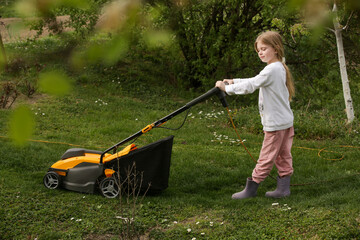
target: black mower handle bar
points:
(221, 95)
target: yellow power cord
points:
(43, 141)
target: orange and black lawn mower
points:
(87, 171)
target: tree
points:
(318, 17)
(344, 76)
(216, 37)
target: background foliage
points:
(113, 75)
(191, 44)
(214, 40)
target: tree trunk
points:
(343, 72)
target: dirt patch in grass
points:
(94, 236)
(110, 236)
(10, 33)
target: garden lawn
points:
(208, 165)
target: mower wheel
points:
(109, 188)
(51, 180)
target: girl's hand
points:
(229, 81)
(220, 85)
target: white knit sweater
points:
(274, 105)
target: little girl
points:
(276, 89)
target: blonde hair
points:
(274, 40)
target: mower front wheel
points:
(109, 187)
(51, 180)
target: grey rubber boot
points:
(249, 191)
(282, 189)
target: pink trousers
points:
(276, 149)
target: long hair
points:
(274, 40)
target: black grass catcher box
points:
(147, 167)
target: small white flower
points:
(78, 220)
(197, 223)
(202, 234)
(125, 219)
(189, 230)
(275, 204)
(72, 218)
(211, 224)
(175, 222)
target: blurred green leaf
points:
(21, 125)
(292, 4)
(116, 49)
(28, 8)
(55, 83)
(25, 8)
(316, 32)
(94, 53)
(157, 37)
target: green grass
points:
(207, 167)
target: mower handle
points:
(215, 90)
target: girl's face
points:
(266, 53)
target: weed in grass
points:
(130, 201)
(8, 94)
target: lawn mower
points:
(84, 170)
